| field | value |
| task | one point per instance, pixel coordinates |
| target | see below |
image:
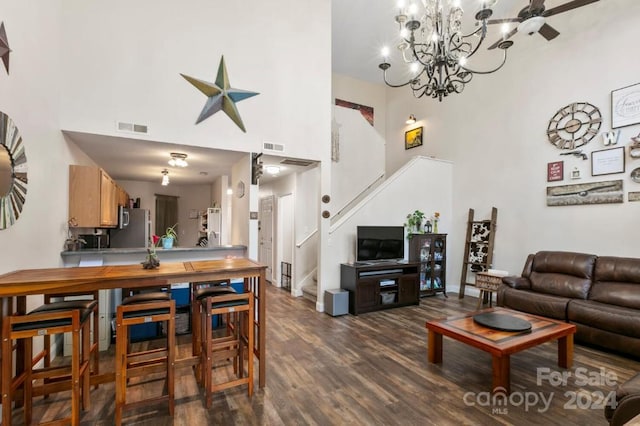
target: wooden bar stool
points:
(141, 309)
(80, 299)
(53, 318)
(236, 341)
(197, 291)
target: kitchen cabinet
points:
(92, 198)
(122, 196)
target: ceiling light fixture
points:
(436, 53)
(272, 170)
(165, 177)
(411, 119)
(178, 160)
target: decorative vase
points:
(435, 226)
(167, 242)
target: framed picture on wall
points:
(555, 171)
(413, 138)
(607, 161)
(625, 106)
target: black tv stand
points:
(373, 286)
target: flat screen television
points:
(379, 243)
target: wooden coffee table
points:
(501, 344)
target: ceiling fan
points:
(532, 19)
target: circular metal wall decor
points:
(326, 214)
(574, 125)
(13, 172)
(326, 198)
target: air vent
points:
(131, 127)
(296, 162)
(271, 146)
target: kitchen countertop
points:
(123, 256)
(159, 251)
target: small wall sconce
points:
(411, 119)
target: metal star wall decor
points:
(4, 47)
(220, 96)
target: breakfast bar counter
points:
(122, 256)
(19, 284)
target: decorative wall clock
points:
(13, 172)
(574, 125)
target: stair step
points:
(310, 292)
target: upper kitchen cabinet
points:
(93, 198)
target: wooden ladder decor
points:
(478, 247)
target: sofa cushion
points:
(564, 274)
(616, 319)
(534, 303)
(517, 282)
(617, 282)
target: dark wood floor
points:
(372, 370)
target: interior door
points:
(265, 235)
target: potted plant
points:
(414, 223)
(152, 261)
(170, 237)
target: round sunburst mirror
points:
(13, 172)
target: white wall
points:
(123, 59)
(241, 171)
(363, 93)
(495, 133)
(361, 160)
(30, 94)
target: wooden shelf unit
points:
(480, 238)
(373, 287)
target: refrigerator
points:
(134, 229)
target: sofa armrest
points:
(517, 282)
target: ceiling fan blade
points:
(503, 21)
(567, 6)
(507, 36)
(536, 4)
(548, 32)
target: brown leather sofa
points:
(627, 403)
(600, 295)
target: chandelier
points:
(178, 160)
(165, 177)
(436, 53)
